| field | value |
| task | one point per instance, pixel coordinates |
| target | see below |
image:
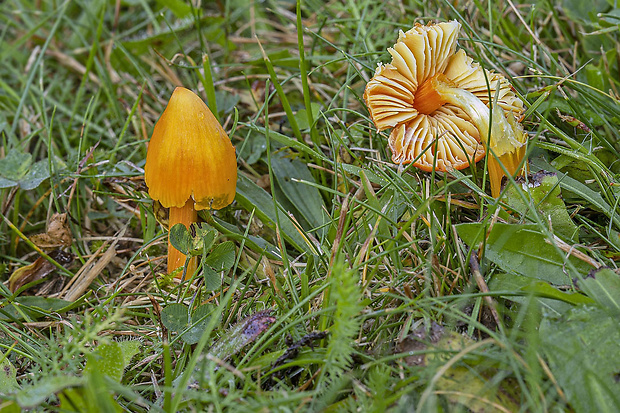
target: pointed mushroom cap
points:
(445, 138)
(190, 155)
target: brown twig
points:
(482, 285)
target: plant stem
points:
(184, 215)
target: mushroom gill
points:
(437, 101)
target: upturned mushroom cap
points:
(427, 129)
(190, 156)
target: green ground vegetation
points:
(336, 281)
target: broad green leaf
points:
(17, 169)
(72, 400)
(35, 394)
(302, 116)
(253, 147)
(178, 7)
(614, 238)
(10, 407)
(527, 285)
(252, 197)
(545, 197)
(15, 165)
(198, 327)
(38, 173)
(226, 101)
(98, 394)
(202, 237)
(520, 289)
(582, 11)
(222, 258)
(604, 287)
(129, 348)
(583, 348)
(8, 375)
(596, 76)
(175, 317)
(180, 238)
(305, 198)
(112, 358)
(34, 307)
(106, 359)
(580, 190)
(523, 249)
(213, 280)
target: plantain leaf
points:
(519, 289)
(8, 375)
(545, 197)
(604, 287)
(35, 394)
(523, 249)
(583, 348)
(35, 307)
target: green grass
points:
(430, 292)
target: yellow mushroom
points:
(436, 100)
(190, 165)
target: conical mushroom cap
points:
(190, 156)
(445, 138)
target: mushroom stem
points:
(184, 215)
(506, 138)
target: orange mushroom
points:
(190, 165)
(436, 100)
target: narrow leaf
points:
(250, 196)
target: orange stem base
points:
(184, 215)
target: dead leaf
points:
(38, 270)
(419, 340)
(58, 233)
(439, 347)
(573, 121)
(242, 333)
